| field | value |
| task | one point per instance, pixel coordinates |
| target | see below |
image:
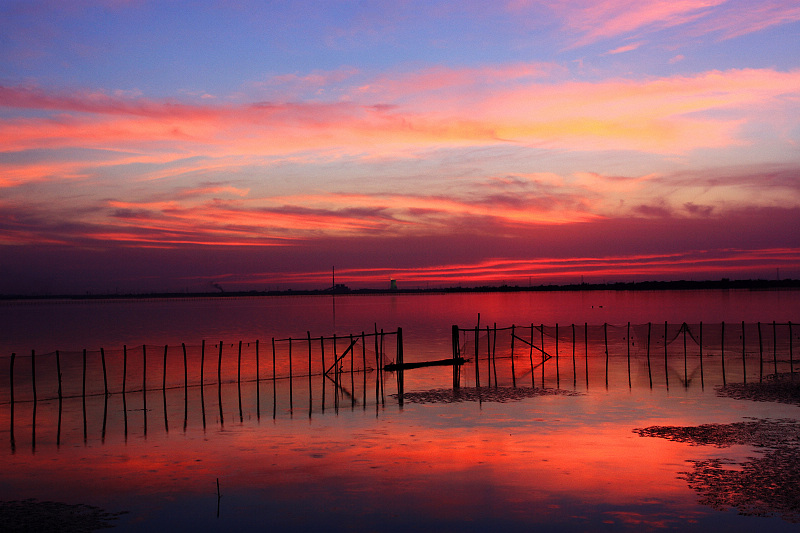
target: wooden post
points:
(273, 363)
(164, 373)
(185, 388)
(454, 340)
(649, 370)
(144, 372)
(105, 378)
(541, 330)
(744, 354)
(239, 364)
(379, 375)
(144, 387)
(185, 367)
(33, 373)
(760, 356)
(586, 350)
(685, 358)
(513, 377)
(219, 366)
(364, 367)
(11, 378)
(530, 356)
(352, 368)
(363, 354)
(574, 367)
(488, 356)
(791, 355)
(11, 428)
(202, 363)
(722, 352)
(400, 376)
(84, 375)
(666, 366)
(775, 348)
(558, 373)
(291, 379)
(383, 363)
(124, 367)
(477, 362)
(337, 367)
(308, 336)
(605, 340)
(494, 353)
(702, 378)
(628, 338)
(258, 367)
(322, 358)
(58, 371)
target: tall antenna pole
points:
(333, 278)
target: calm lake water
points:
(546, 446)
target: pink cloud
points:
(603, 19)
(658, 115)
(623, 49)
(595, 20)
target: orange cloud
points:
(663, 115)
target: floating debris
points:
(781, 388)
(762, 486)
(482, 394)
(34, 515)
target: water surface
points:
(359, 459)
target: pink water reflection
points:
(356, 460)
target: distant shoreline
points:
(722, 284)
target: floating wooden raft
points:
(419, 364)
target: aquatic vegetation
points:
(768, 484)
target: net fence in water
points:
(751, 350)
(69, 374)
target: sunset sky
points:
(171, 146)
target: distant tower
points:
(392, 284)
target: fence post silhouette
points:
(33, 373)
(649, 370)
(605, 340)
(58, 371)
(164, 376)
(586, 350)
(702, 379)
(541, 330)
(124, 367)
(105, 378)
(775, 348)
(760, 356)
(558, 372)
(722, 352)
(456, 349)
(84, 375)
(628, 342)
(513, 376)
(574, 367)
(202, 363)
(144, 371)
(685, 357)
(666, 366)
(530, 356)
(219, 366)
(744, 360)
(477, 362)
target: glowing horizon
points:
(437, 143)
